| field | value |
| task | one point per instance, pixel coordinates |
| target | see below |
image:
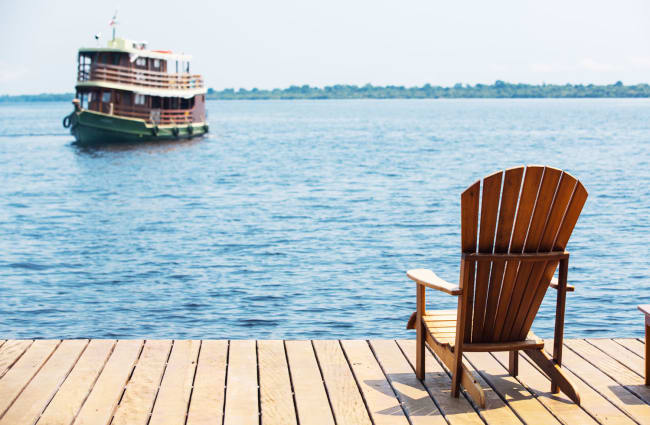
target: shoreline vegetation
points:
(499, 89)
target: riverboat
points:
(127, 93)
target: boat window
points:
(106, 97)
(139, 99)
(116, 58)
(141, 62)
(156, 63)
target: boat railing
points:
(139, 77)
(153, 116)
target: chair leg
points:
(456, 371)
(559, 320)
(419, 351)
(513, 363)
(419, 329)
(464, 377)
(554, 372)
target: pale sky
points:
(268, 44)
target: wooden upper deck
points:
(123, 66)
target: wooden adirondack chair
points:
(526, 217)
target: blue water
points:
(298, 219)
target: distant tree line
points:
(500, 89)
(43, 97)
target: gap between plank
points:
(92, 386)
(62, 381)
(32, 378)
(293, 392)
(17, 358)
(162, 376)
(196, 368)
(608, 375)
(327, 393)
(566, 347)
(356, 381)
(225, 384)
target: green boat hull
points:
(89, 127)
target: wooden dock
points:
(180, 382)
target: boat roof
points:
(136, 49)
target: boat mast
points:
(113, 23)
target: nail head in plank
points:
(10, 352)
(206, 405)
(415, 399)
(38, 393)
(105, 394)
(15, 380)
(347, 404)
(69, 398)
(241, 390)
(312, 403)
(176, 386)
(276, 397)
(137, 402)
(383, 405)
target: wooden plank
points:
(312, 403)
(621, 354)
(176, 386)
(17, 378)
(382, 403)
(538, 384)
(38, 393)
(69, 398)
(609, 389)
(241, 384)
(438, 384)
(206, 405)
(632, 344)
(591, 401)
(138, 399)
(624, 377)
(10, 352)
(489, 209)
(276, 395)
(105, 394)
(529, 190)
(415, 399)
(345, 399)
(524, 404)
(469, 201)
(507, 210)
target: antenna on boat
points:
(113, 23)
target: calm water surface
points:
(298, 219)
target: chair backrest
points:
(529, 209)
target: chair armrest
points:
(430, 279)
(555, 283)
